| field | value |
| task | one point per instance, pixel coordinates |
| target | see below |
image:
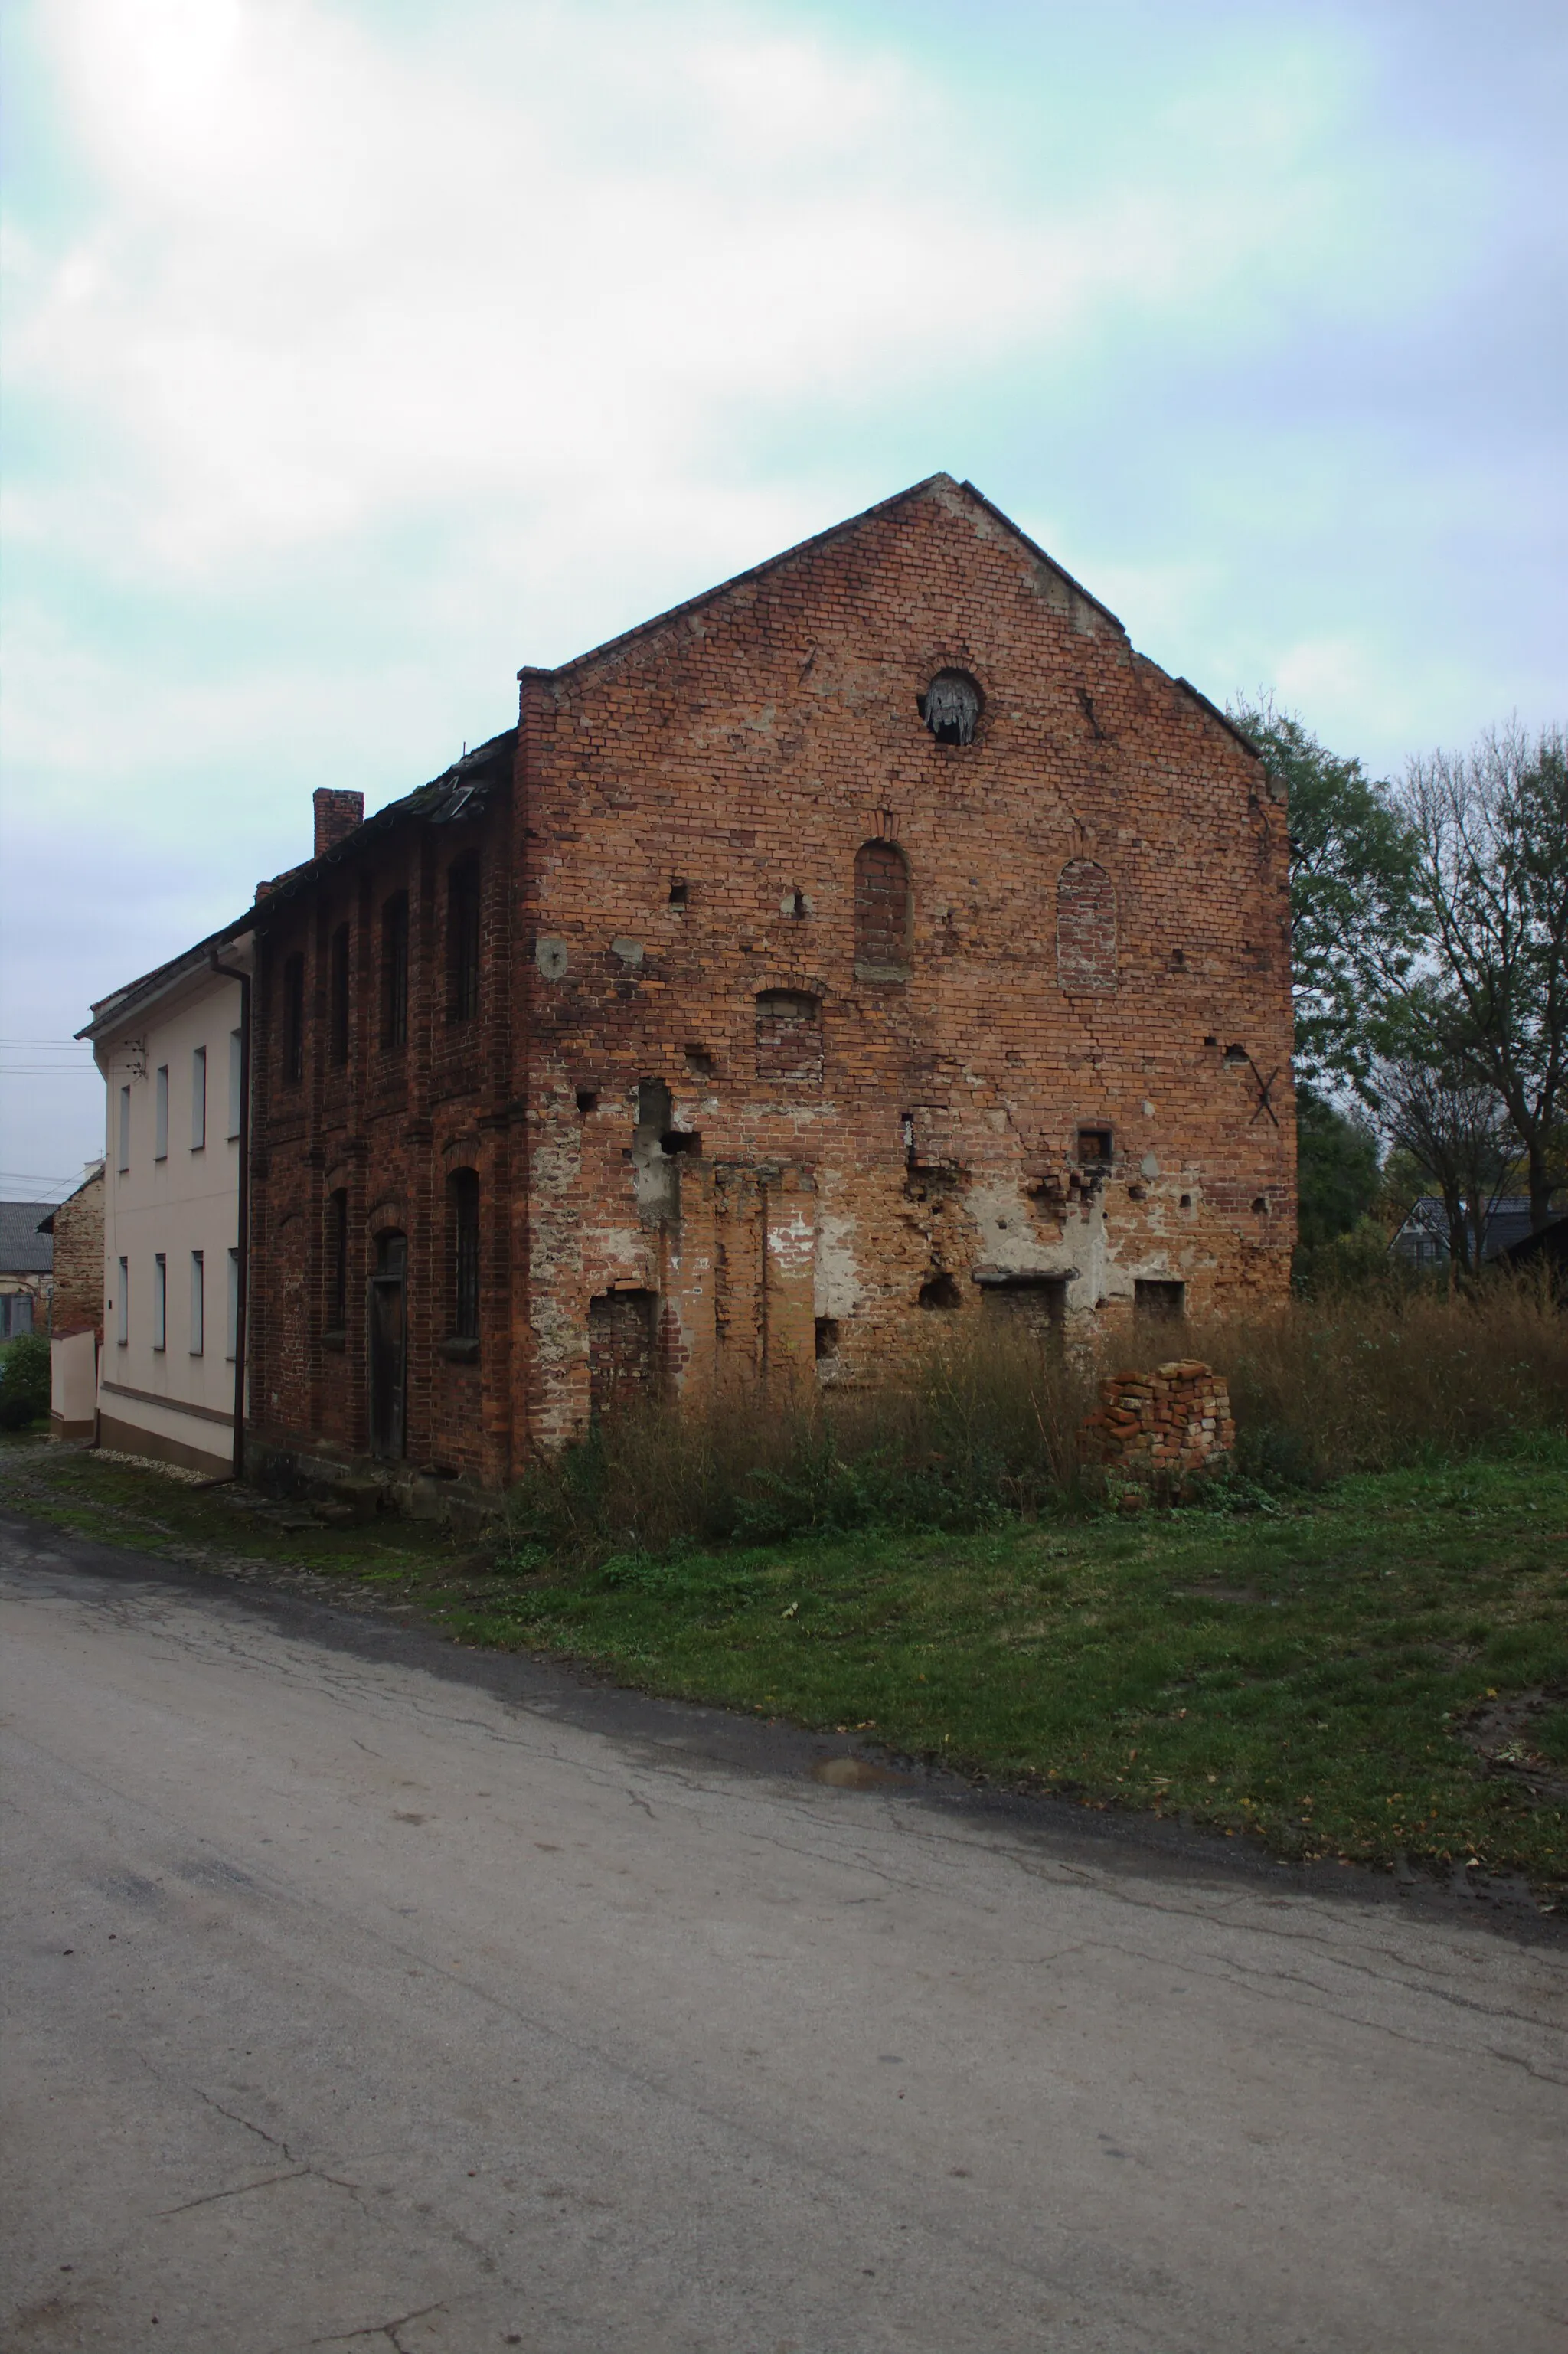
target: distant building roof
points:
(23, 1249)
(1425, 1233)
(1548, 1242)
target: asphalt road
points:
(365, 1993)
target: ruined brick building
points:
(876, 938)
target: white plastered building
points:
(171, 1049)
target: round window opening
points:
(950, 706)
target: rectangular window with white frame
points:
(236, 1081)
(161, 1114)
(123, 1306)
(160, 1300)
(198, 1099)
(233, 1348)
(124, 1129)
(199, 1302)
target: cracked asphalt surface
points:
(371, 1994)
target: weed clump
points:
(986, 1427)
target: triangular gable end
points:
(943, 487)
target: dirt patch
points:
(1503, 1733)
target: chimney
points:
(337, 814)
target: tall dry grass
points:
(1391, 1375)
(985, 1425)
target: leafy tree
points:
(1492, 828)
(1336, 1171)
(1357, 920)
(1447, 1125)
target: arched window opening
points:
(881, 912)
(950, 707)
(462, 939)
(790, 1036)
(1085, 927)
(395, 971)
(463, 1195)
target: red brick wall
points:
(1096, 909)
(747, 751)
(76, 1301)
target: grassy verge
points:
(1373, 1668)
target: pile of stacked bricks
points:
(1158, 1429)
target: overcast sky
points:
(357, 354)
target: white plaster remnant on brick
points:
(836, 1282)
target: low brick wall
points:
(1161, 1426)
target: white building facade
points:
(172, 1050)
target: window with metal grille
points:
(463, 1189)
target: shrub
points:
(23, 1382)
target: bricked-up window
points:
(1086, 927)
(337, 1261)
(950, 707)
(881, 912)
(293, 1020)
(790, 1036)
(338, 998)
(1159, 1301)
(462, 940)
(463, 1195)
(620, 1348)
(395, 971)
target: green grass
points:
(121, 1505)
(1307, 1675)
(1378, 1668)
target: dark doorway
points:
(389, 1344)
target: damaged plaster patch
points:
(550, 956)
(835, 1277)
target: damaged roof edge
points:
(1226, 722)
(722, 588)
(1035, 548)
(409, 805)
(612, 646)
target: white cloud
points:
(338, 272)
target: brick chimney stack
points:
(337, 814)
